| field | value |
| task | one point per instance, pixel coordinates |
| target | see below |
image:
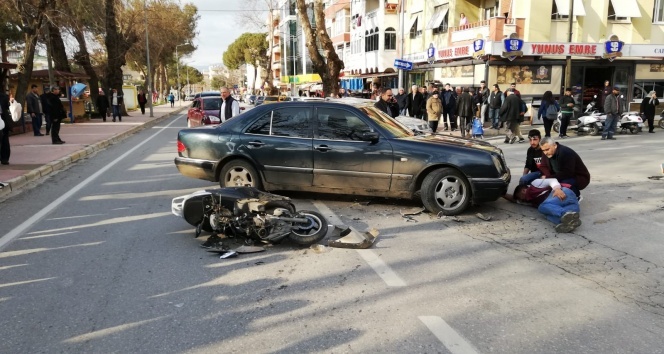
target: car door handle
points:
(256, 143)
(323, 148)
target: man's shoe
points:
(114, 119)
(568, 222)
(513, 140)
(507, 140)
(603, 138)
(62, 141)
(650, 132)
(522, 141)
(580, 198)
(4, 162)
(569, 217)
(58, 142)
(39, 134)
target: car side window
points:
(338, 124)
(290, 122)
(195, 104)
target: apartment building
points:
(526, 41)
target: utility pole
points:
(147, 50)
(568, 60)
(177, 65)
(403, 49)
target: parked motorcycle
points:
(629, 121)
(588, 122)
(661, 120)
(251, 214)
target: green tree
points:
(328, 66)
(249, 48)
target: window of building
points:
(371, 40)
(490, 9)
(416, 28)
(390, 39)
(439, 20)
(658, 12)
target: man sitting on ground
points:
(531, 170)
(564, 164)
(557, 202)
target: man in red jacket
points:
(564, 164)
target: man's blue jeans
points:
(494, 116)
(116, 112)
(529, 178)
(610, 125)
(554, 208)
(37, 123)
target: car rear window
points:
(212, 104)
(271, 98)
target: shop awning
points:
(437, 17)
(625, 8)
(411, 22)
(563, 8)
(440, 2)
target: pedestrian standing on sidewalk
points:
(142, 100)
(35, 110)
(613, 105)
(5, 149)
(483, 98)
(116, 103)
(57, 112)
(606, 92)
(449, 108)
(546, 111)
(496, 99)
(648, 109)
(230, 107)
(47, 114)
(171, 99)
(102, 105)
(415, 102)
(402, 100)
(566, 112)
(465, 110)
(434, 110)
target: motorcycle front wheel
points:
(661, 123)
(556, 127)
(311, 232)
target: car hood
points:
(447, 140)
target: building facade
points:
(526, 42)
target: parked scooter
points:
(661, 120)
(629, 122)
(588, 122)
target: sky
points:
(218, 27)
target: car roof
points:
(208, 93)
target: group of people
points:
(553, 177)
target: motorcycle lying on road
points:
(246, 212)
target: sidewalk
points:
(33, 157)
(494, 135)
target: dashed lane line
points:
(452, 340)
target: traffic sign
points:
(402, 64)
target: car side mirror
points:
(370, 136)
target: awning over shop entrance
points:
(625, 8)
(352, 84)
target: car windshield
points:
(397, 129)
(212, 104)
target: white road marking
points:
(381, 268)
(11, 235)
(452, 340)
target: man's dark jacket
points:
(465, 106)
(647, 108)
(4, 107)
(402, 100)
(32, 103)
(228, 109)
(449, 101)
(44, 100)
(509, 111)
(570, 165)
(415, 104)
(390, 108)
(56, 110)
(102, 104)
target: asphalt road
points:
(94, 262)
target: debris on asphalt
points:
(408, 215)
(319, 248)
(352, 241)
(228, 254)
(249, 249)
(656, 178)
(339, 230)
(482, 217)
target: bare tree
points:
(328, 66)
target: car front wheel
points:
(239, 173)
(445, 191)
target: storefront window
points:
(642, 88)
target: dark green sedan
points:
(330, 147)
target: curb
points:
(19, 182)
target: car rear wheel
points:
(239, 173)
(445, 191)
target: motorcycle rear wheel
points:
(661, 123)
(308, 234)
(633, 130)
(594, 130)
(556, 127)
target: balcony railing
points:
(494, 29)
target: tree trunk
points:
(58, 50)
(117, 45)
(82, 57)
(3, 72)
(328, 68)
(30, 24)
(253, 84)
